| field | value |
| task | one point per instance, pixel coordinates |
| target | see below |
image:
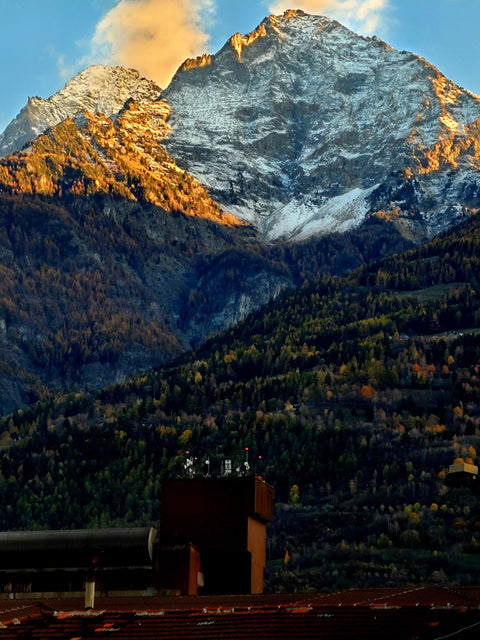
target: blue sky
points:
(45, 42)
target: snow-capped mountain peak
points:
(301, 127)
(304, 127)
(98, 89)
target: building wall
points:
(225, 519)
(178, 569)
(257, 540)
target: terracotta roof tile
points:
(396, 614)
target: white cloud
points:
(153, 36)
(363, 16)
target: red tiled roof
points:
(434, 596)
(396, 614)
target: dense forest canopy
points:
(95, 288)
(353, 395)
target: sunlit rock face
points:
(98, 89)
(303, 127)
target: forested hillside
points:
(114, 260)
(92, 229)
(353, 396)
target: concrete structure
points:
(212, 539)
(463, 467)
(463, 474)
(225, 520)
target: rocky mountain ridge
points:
(129, 235)
(98, 89)
(298, 129)
(118, 157)
(303, 127)
(104, 242)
